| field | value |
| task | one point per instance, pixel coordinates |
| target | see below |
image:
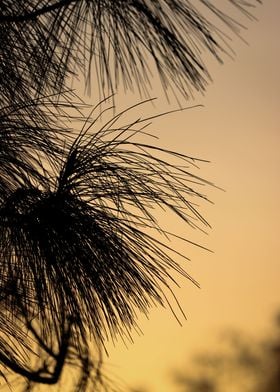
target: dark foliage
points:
(30, 137)
(47, 41)
(81, 250)
(76, 253)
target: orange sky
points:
(238, 131)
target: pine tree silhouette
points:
(80, 247)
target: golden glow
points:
(238, 130)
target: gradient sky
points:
(238, 131)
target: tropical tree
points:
(80, 247)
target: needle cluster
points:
(81, 248)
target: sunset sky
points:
(234, 128)
(238, 131)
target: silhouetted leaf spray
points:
(77, 259)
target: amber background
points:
(238, 131)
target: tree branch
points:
(36, 376)
(35, 14)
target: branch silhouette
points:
(116, 41)
(26, 16)
(81, 242)
(81, 249)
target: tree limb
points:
(26, 16)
